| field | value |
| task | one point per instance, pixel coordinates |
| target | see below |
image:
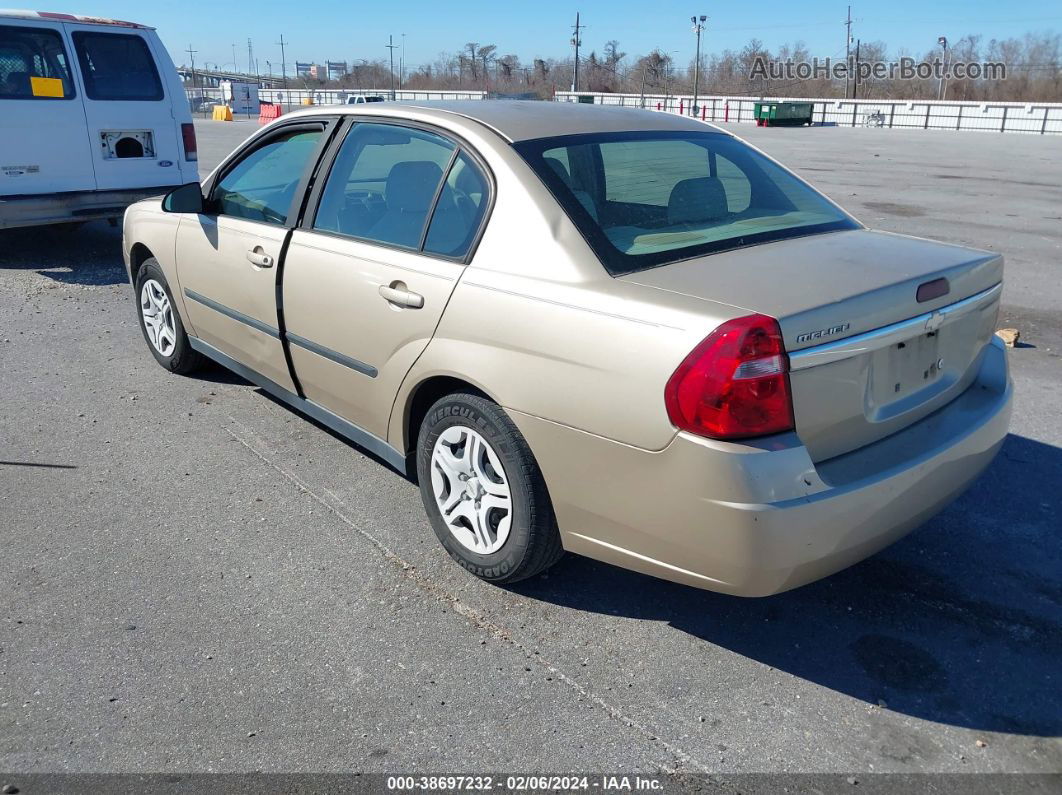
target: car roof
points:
(54, 16)
(523, 120)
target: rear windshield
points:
(117, 66)
(33, 64)
(644, 199)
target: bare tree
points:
(472, 54)
(1032, 63)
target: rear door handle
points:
(396, 293)
(256, 256)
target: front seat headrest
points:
(697, 200)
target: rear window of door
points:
(33, 64)
(404, 187)
(383, 184)
(117, 67)
(262, 186)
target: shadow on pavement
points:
(959, 623)
(89, 253)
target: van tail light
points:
(735, 384)
(191, 149)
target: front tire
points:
(483, 491)
(161, 324)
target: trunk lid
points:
(867, 357)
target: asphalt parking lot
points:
(195, 578)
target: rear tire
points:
(484, 492)
(161, 324)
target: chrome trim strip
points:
(893, 333)
(373, 444)
(335, 356)
(265, 328)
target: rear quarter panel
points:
(538, 324)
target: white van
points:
(93, 117)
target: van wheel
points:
(483, 491)
(160, 323)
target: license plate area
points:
(906, 374)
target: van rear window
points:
(117, 66)
(33, 64)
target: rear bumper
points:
(761, 518)
(59, 208)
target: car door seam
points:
(278, 300)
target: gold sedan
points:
(625, 334)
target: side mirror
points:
(185, 199)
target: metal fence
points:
(1006, 117)
(202, 99)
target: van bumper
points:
(760, 518)
(64, 208)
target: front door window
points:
(262, 186)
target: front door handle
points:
(256, 256)
(396, 293)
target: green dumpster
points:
(783, 114)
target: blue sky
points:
(348, 30)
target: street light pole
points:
(942, 89)
(697, 28)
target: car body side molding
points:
(331, 355)
(375, 445)
(265, 328)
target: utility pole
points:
(283, 62)
(391, 48)
(855, 75)
(697, 28)
(847, 53)
(235, 66)
(191, 56)
(402, 63)
(576, 40)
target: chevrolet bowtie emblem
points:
(934, 321)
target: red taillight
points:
(191, 150)
(735, 384)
